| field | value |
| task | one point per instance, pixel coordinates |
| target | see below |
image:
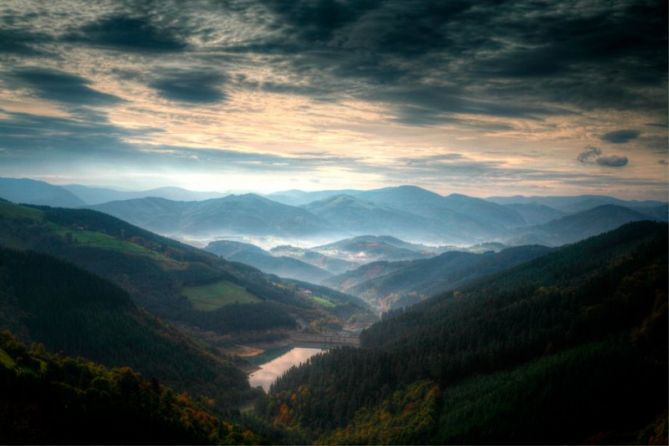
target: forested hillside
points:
(56, 399)
(175, 281)
(69, 310)
(568, 348)
(391, 285)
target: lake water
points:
(271, 370)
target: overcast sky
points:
(477, 97)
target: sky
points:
(476, 97)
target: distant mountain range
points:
(23, 190)
(369, 248)
(355, 215)
(321, 262)
(390, 285)
(283, 266)
(534, 213)
(406, 212)
(231, 215)
(584, 224)
(576, 203)
(331, 264)
(99, 195)
(28, 191)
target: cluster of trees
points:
(582, 329)
(47, 399)
(236, 317)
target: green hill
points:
(172, 280)
(567, 348)
(69, 310)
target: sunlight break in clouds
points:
(269, 95)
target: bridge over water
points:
(333, 340)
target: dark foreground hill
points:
(56, 399)
(568, 348)
(69, 310)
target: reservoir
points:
(272, 369)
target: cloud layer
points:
(389, 88)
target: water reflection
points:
(271, 370)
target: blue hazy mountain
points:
(388, 285)
(534, 213)
(333, 265)
(296, 197)
(257, 257)
(406, 212)
(456, 226)
(28, 191)
(369, 248)
(581, 225)
(358, 216)
(574, 203)
(99, 195)
(234, 214)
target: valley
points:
(228, 306)
(334, 222)
(363, 336)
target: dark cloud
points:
(127, 33)
(594, 155)
(198, 87)
(612, 161)
(22, 43)
(459, 170)
(60, 86)
(35, 137)
(317, 20)
(492, 58)
(429, 61)
(426, 105)
(620, 136)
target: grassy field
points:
(103, 241)
(322, 301)
(218, 294)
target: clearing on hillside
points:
(215, 295)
